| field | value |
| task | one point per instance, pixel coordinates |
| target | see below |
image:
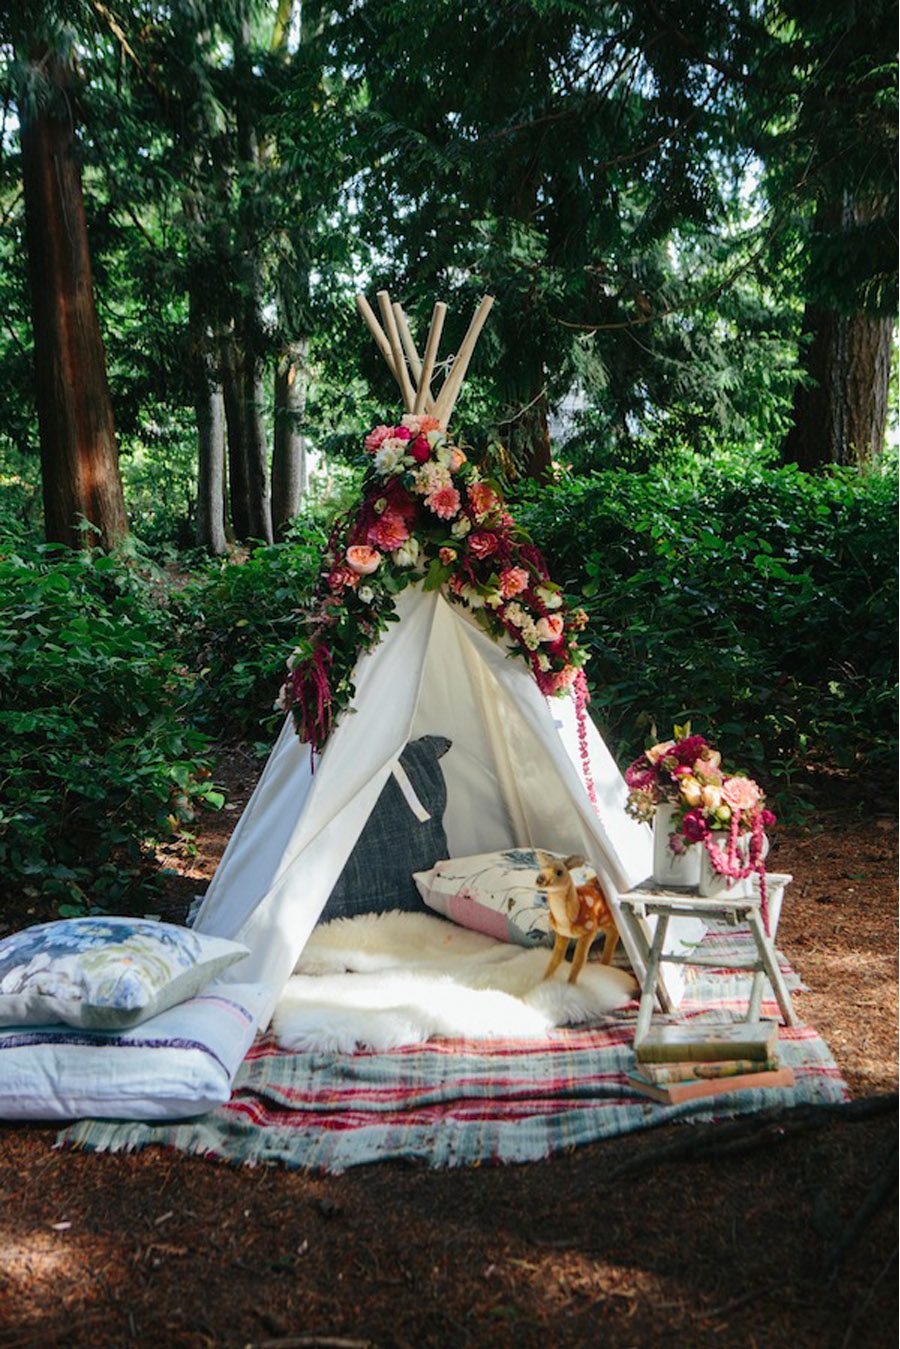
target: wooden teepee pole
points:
(431, 349)
(415, 364)
(377, 332)
(390, 326)
(453, 383)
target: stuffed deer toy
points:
(577, 913)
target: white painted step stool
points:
(648, 901)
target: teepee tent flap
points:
(513, 778)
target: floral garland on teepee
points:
(428, 516)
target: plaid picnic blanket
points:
(463, 1103)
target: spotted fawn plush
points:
(577, 913)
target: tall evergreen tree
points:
(79, 454)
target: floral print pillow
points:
(494, 893)
(105, 973)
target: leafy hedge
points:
(244, 618)
(759, 601)
(97, 758)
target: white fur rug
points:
(385, 980)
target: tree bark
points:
(238, 474)
(289, 467)
(840, 406)
(210, 417)
(79, 455)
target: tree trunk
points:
(210, 415)
(840, 413)
(289, 468)
(527, 432)
(840, 407)
(259, 504)
(79, 456)
(238, 475)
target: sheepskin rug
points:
(385, 980)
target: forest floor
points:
(163, 1249)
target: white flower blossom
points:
(389, 456)
(543, 662)
(472, 597)
(366, 594)
(550, 598)
(460, 527)
(407, 555)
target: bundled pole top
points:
(412, 372)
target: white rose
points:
(433, 437)
(460, 528)
(366, 594)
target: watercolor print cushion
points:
(105, 973)
(179, 1063)
(396, 840)
(494, 893)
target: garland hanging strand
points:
(582, 698)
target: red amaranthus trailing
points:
(428, 517)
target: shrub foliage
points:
(97, 757)
(759, 601)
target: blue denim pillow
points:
(394, 843)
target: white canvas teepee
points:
(514, 773)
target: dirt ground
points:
(791, 1243)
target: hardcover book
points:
(664, 1073)
(676, 1092)
(706, 1042)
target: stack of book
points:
(684, 1062)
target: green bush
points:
(245, 616)
(96, 757)
(759, 601)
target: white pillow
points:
(105, 973)
(178, 1064)
(494, 893)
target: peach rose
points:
(691, 791)
(549, 629)
(711, 797)
(362, 559)
(457, 459)
(741, 793)
(657, 752)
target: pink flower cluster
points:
(427, 511)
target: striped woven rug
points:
(462, 1103)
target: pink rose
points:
(741, 793)
(513, 580)
(482, 543)
(363, 560)
(402, 433)
(549, 629)
(374, 438)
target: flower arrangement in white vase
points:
(681, 787)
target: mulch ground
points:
(791, 1240)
